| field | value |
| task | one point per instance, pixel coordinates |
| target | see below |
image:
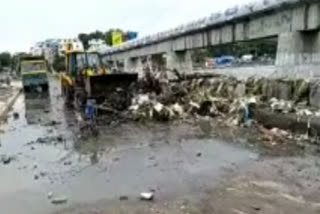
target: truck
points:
(34, 72)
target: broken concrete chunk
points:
(281, 105)
(240, 90)
(178, 109)
(158, 107)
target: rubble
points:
(169, 95)
(275, 135)
(281, 105)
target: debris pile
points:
(170, 95)
(184, 96)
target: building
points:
(98, 45)
(63, 43)
(52, 47)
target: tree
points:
(96, 35)
(105, 36)
(108, 37)
(59, 63)
(5, 59)
(84, 38)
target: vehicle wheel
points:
(68, 96)
(45, 87)
(26, 88)
(63, 90)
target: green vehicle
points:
(34, 73)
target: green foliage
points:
(105, 36)
(59, 63)
(5, 59)
(84, 38)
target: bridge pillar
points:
(132, 64)
(158, 62)
(180, 60)
(129, 64)
(299, 52)
(296, 48)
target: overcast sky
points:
(24, 22)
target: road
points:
(191, 169)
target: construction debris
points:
(170, 95)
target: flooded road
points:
(174, 160)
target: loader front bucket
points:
(102, 85)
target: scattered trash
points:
(147, 196)
(60, 139)
(123, 198)
(47, 140)
(67, 163)
(53, 123)
(281, 105)
(256, 208)
(116, 159)
(6, 159)
(43, 174)
(50, 195)
(275, 135)
(59, 200)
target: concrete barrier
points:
(4, 109)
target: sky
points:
(25, 22)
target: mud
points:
(234, 173)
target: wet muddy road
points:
(189, 171)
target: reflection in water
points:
(37, 107)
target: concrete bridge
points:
(296, 24)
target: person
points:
(8, 81)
